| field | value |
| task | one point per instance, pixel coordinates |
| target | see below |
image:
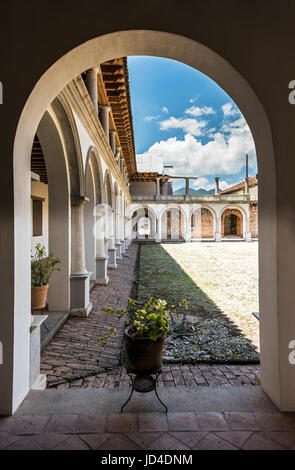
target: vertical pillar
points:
(247, 232)
(218, 229)
(112, 256)
(217, 190)
(80, 304)
(122, 165)
(158, 229)
(101, 260)
(112, 140)
(91, 85)
(157, 188)
(187, 193)
(104, 118)
(246, 185)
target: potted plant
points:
(145, 334)
(42, 267)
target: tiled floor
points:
(150, 431)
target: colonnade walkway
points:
(75, 359)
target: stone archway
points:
(144, 224)
(95, 51)
(172, 224)
(202, 223)
(232, 223)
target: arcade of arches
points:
(83, 170)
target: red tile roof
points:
(239, 186)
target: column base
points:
(101, 277)
(102, 282)
(36, 380)
(123, 247)
(80, 302)
(81, 312)
(248, 237)
(217, 237)
(118, 251)
(40, 383)
(112, 257)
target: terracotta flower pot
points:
(143, 354)
(38, 297)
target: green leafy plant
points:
(152, 320)
(42, 267)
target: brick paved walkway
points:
(73, 359)
(150, 431)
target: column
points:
(218, 229)
(112, 256)
(101, 260)
(122, 236)
(187, 193)
(217, 190)
(247, 232)
(91, 85)
(158, 188)
(80, 304)
(158, 229)
(112, 139)
(104, 118)
(186, 215)
(246, 185)
(122, 165)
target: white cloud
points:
(203, 183)
(197, 111)
(229, 110)
(151, 118)
(223, 154)
(191, 126)
(165, 109)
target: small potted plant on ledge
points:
(42, 267)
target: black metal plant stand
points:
(143, 382)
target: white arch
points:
(93, 158)
(242, 211)
(83, 57)
(212, 212)
(175, 206)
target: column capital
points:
(77, 200)
(104, 107)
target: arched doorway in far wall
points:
(232, 223)
(202, 223)
(143, 224)
(172, 224)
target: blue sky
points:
(185, 117)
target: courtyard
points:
(223, 351)
(220, 283)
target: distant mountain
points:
(181, 191)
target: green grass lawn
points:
(220, 281)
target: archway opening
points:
(202, 224)
(232, 224)
(133, 42)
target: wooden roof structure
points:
(37, 161)
(113, 90)
(148, 176)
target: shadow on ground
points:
(217, 338)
